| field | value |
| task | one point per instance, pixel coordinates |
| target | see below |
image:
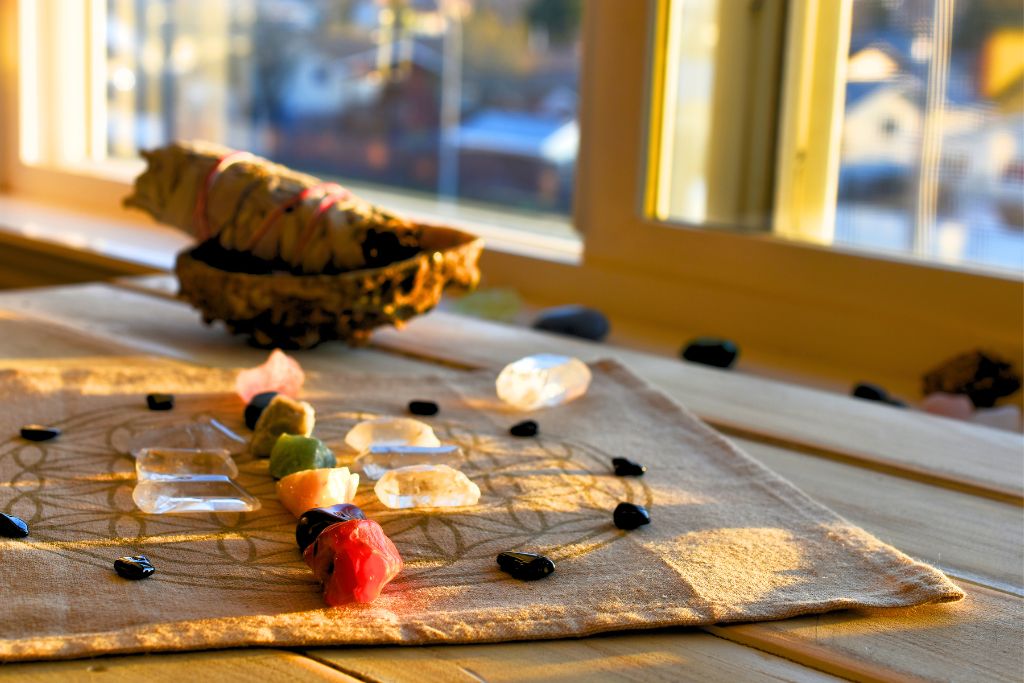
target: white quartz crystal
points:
(380, 459)
(390, 431)
(183, 463)
(542, 380)
(203, 434)
(211, 493)
(429, 486)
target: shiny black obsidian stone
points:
(160, 401)
(423, 408)
(627, 468)
(870, 392)
(134, 567)
(314, 521)
(628, 516)
(12, 527)
(574, 321)
(525, 566)
(524, 428)
(39, 432)
(713, 351)
(256, 406)
(873, 392)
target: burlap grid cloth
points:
(729, 541)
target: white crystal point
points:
(390, 431)
(197, 494)
(204, 434)
(426, 486)
(380, 459)
(542, 381)
(183, 463)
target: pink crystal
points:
(281, 373)
(957, 406)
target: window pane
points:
(932, 157)
(469, 99)
(719, 103)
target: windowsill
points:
(90, 236)
(536, 235)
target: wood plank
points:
(978, 639)
(272, 666)
(951, 452)
(655, 656)
(967, 536)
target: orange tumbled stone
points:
(318, 488)
(354, 560)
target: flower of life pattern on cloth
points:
(729, 539)
(76, 493)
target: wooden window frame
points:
(790, 303)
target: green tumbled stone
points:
(293, 454)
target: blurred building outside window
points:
(932, 148)
(457, 100)
(931, 155)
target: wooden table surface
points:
(945, 492)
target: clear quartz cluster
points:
(380, 459)
(542, 381)
(390, 431)
(429, 486)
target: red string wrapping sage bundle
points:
(254, 206)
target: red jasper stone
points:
(354, 560)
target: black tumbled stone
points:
(12, 527)
(524, 428)
(873, 392)
(160, 401)
(39, 432)
(627, 468)
(257, 404)
(574, 321)
(313, 522)
(525, 566)
(870, 392)
(423, 408)
(629, 516)
(134, 567)
(713, 351)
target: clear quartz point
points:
(380, 459)
(211, 493)
(205, 435)
(183, 463)
(390, 431)
(542, 381)
(427, 486)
